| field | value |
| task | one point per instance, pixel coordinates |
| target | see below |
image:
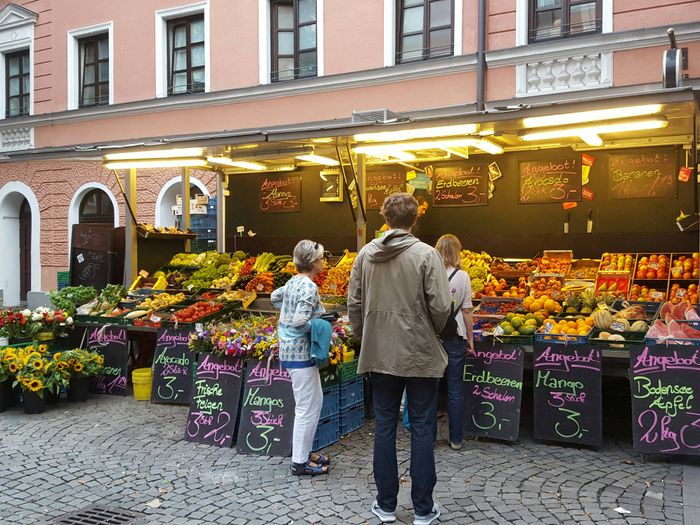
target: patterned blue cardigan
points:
(299, 302)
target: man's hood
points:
(392, 243)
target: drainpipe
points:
(481, 56)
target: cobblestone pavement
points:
(121, 453)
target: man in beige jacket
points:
(398, 300)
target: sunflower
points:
(78, 367)
(9, 357)
(61, 365)
(35, 385)
(12, 367)
(57, 356)
(101, 360)
(43, 348)
(38, 364)
(71, 361)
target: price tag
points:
(80, 258)
(498, 331)
(547, 327)
(333, 286)
(602, 306)
(654, 265)
(260, 287)
(240, 229)
(199, 328)
(155, 319)
(189, 287)
(656, 295)
(143, 273)
(617, 326)
(681, 292)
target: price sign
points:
(665, 384)
(568, 393)
(381, 184)
(493, 379)
(112, 344)
(465, 185)
(646, 174)
(172, 368)
(267, 414)
(281, 193)
(215, 395)
(543, 182)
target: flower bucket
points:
(142, 379)
(51, 397)
(33, 404)
(4, 341)
(8, 396)
(44, 336)
(78, 389)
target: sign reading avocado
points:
(550, 181)
(464, 185)
(643, 174)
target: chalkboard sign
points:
(493, 380)
(90, 268)
(112, 344)
(665, 382)
(172, 368)
(548, 181)
(215, 396)
(267, 413)
(465, 185)
(280, 193)
(643, 174)
(568, 393)
(381, 184)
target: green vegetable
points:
(68, 299)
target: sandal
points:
(320, 458)
(309, 469)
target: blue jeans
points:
(422, 394)
(456, 348)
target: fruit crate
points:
(631, 339)
(542, 337)
(327, 432)
(512, 268)
(629, 263)
(347, 370)
(351, 393)
(651, 309)
(330, 402)
(619, 280)
(559, 262)
(583, 269)
(352, 418)
(498, 306)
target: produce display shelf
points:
(347, 370)
(651, 308)
(631, 338)
(330, 402)
(351, 393)
(542, 337)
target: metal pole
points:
(361, 194)
(221, 188)
(481, 56)
(186, 203)
(130, 235)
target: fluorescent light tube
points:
(591, 116)
(176, 153)
(318, 159)
(420, 133)
(156, 163)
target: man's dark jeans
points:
(422, 394)
(456, 348)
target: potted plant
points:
(57, 376)
(25, 328)
(8, 397)
(31, 373)
(4, 336)
(82, 365)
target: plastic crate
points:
(352, 418)
(327, 432)
(542, 337)
(330, 402)
(62, 280)
(651, 309)
(351, 393)
(348, 370)
(329, 377)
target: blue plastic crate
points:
(351, 393)
(330, 402)
(352, 418)
(327, 432)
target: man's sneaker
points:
(384, 516)
(456, 446)
(428, 519)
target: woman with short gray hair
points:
(300, 302)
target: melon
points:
(602, 319)
(639, 326)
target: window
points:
(425, 29)
(94, 70)
(17, 83)
(186, 69)
(294, 39)
(562, 18)
(96, 206)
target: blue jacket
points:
(321, 331)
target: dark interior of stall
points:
(504, 227)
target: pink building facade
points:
(93, 75)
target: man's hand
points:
(470, 347)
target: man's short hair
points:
(400, 210)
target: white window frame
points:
(73, 62)
(16, 35)
(161, 44)
(390, 31)
(265, 41)
(522, 20)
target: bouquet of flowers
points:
(49, 320)
(29, 367)
(79, 362)
(251, 336)
(12, 323)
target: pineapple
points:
(588, 301)
(573, 303)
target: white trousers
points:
(308, 396)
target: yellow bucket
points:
(142, 378)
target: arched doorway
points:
(96, 207)
(167, 199)
(25, 249)
(20, 231)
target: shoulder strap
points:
(452, 274)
